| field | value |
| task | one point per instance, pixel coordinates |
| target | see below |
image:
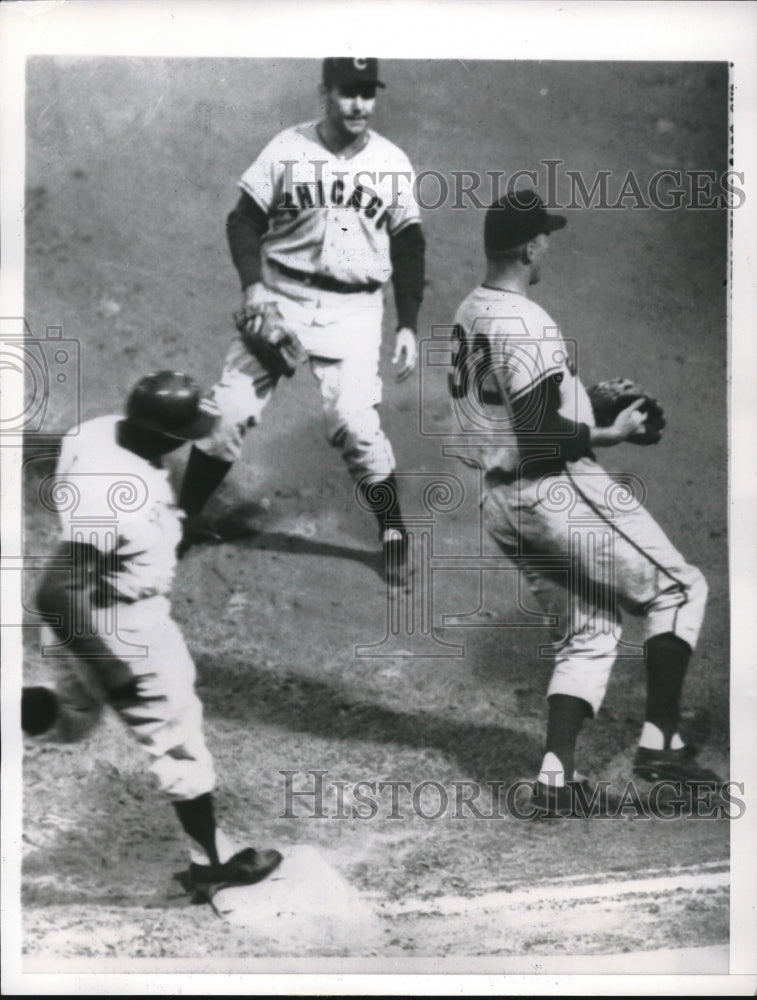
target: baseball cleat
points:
(673, 765)
(397, 568)
(579, 799)
(198, 531)
(246, 867)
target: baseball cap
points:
(338, 71)
(171, 403)
(516, 218)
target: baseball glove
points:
(266, 337)
(610, 398)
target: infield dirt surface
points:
(131, 170)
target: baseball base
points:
(306, 900)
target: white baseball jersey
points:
(508, 344)
(117, 502)
(121, 499)
(329, 213)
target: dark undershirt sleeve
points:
(540, 427)
(408, 256)
(245, 225)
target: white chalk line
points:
(697, 879)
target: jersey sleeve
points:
(262, 179)
(404, 209)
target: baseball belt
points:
(324, 281)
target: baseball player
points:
(588, 550)
(325, 216)
(114, 597)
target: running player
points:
(109, 603)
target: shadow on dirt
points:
(279, 541)
(237, 690)
(251, 526)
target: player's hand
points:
(405, 352)
(250, 296)
(627, 423)
(630, 421)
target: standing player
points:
(548, 503)
(326, 215)
(117, 592)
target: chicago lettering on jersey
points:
(339, 191)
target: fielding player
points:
(587, 552)
(116, 591)
(325, 217)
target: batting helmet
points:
(171, 403)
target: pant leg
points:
(651, 578)
(351, 393)
(154, 694)
(586, 625)
(613, 556)
(159, 703)
(241, 394)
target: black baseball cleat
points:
(673, 765)
(198, 530)
(246, 867)
(397, 562)
(578, 799)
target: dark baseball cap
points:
(341, 71)
(515, 219)
(172, 403)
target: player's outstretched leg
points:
(240, 396)
(202, 477)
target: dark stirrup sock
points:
(202, 477)
(565, 719)
(197, 817)
(667, 659)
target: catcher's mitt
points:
(610, 398)
(266, 337)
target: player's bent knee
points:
(374, 459)
(697, 586)
(182, 778)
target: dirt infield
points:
(305, 665)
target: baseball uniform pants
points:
(590, 551)
(152, 691)
(342, 336)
